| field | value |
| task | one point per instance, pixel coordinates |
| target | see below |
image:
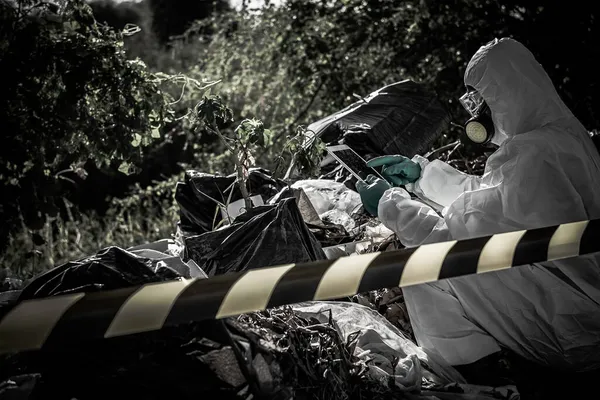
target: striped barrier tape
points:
(57, 321)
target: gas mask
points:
(479, 128)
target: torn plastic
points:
(264, 236)
(305, 206)
(347, 249)
(110, 268)
(199, 196)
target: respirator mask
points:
(479, 128)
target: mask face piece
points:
(471, 101)
(480, 128)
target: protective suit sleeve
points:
(413, 222)
(526, 188)
(441, 183)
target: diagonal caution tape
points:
(56, 321)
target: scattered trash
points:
(307, 209)
(362, 348)
(188, 269)
(347, 249)
(326, 232)
(264, 236)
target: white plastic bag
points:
(338, 217)
(326, 195)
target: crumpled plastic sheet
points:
(338, 217)
(377, 233)
(328, 195)
(382, 342)
(189, 269)
(110, 268)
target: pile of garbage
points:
(360, 347)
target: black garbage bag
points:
(401, 118)
(326, 233)
(110, 268)
(264, 236)
(197, 194)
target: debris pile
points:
(354, 348)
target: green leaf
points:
(155, 133)
(124, 167)
(137, 140)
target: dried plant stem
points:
(239, 168)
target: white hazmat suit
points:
(546, 171)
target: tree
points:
(72, 95)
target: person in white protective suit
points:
(546, 171)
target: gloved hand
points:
(371, 190)
(398, 170)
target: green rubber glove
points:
(371, 191)
(398, 170)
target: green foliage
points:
(173, 17)
(212, 115)
(253, 132)
(74, 91)
(213, 112)
(72, 95)
(306, 152)
(146, 215)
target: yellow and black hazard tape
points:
(59, 320)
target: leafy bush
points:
(147, 215)
(75, 93)
(72, 95)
